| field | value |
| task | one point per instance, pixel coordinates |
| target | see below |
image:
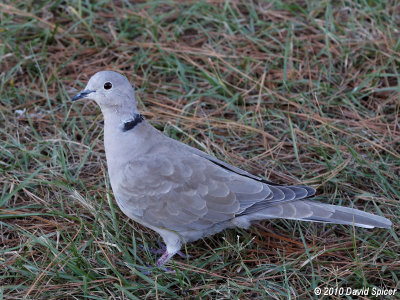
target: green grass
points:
(294, 91)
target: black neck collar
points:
(130, 124)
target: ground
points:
(294, 91)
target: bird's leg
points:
(179, 252)
(163, 249)
(173, 244)
(164, 258)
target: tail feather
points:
(306, 210)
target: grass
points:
(293, 91)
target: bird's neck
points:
(115, 115)
(125, 138)
(118, 127)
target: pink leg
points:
(163, 250)
(164, 258)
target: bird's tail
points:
(307, 210)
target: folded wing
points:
(184, 191)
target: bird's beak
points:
(81, 95)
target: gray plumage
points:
(185, 194)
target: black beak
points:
(81, 95)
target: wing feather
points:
(185, 191)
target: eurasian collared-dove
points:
(183, 193)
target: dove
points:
(183, 193)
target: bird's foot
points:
(183, 255)
(164, 258)
(148, 269)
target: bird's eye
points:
(107, 85)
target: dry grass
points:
(293, 91)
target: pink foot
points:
(164, 258)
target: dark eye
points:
(107, 85)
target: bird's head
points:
(110, 90)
